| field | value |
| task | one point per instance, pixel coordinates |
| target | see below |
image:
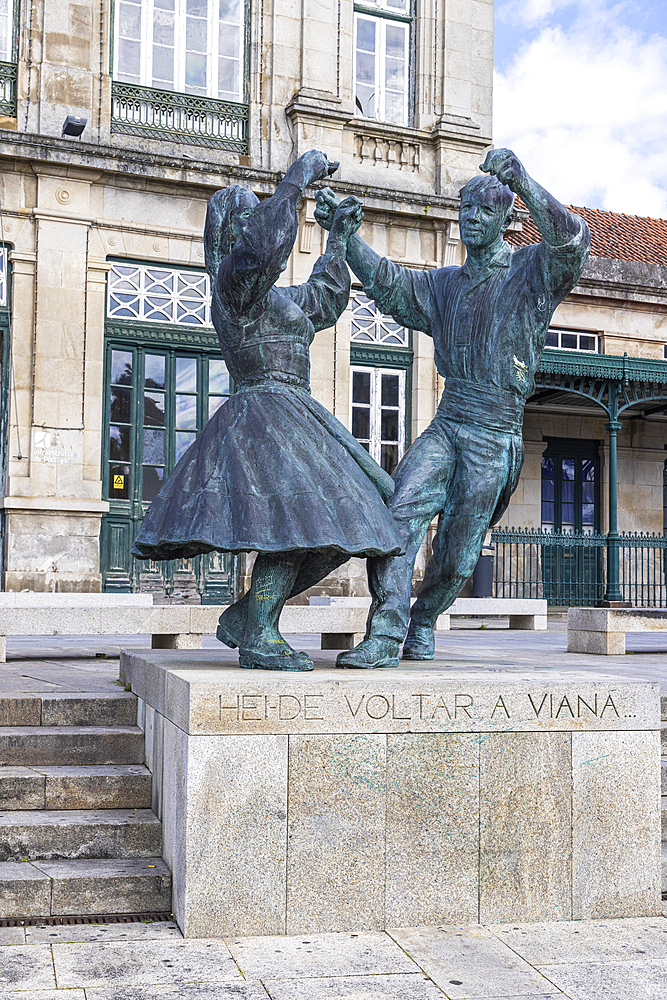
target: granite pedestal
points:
(339, 800)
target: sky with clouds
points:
(580, 95)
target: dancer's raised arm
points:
(325, 295)
(400, 292)
(247, 243)
(566, 239)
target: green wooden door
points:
(157, 399)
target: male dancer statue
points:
(489, 321)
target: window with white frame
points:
(7, 20)
(573, 340)
(158, 294)
(382, 59)
(191, 46)
(370, 326)
(378, 413)
(3, 275)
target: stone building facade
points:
(109, 361)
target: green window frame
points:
(147, 461)
(164, 377)
(158, 399)
(570, 489)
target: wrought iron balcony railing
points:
(163, 114)
(7, 90)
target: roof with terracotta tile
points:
(621, 237)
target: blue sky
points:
(580, 94)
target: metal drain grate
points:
(92, 918)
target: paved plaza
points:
(90, 663)
(586, 960)
(589, 960)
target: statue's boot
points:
(419, 642)
(232, 623)
(374, 651)
(269, 651)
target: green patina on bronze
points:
(489, 321)
(273, 471)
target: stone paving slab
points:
(470, 963)
(195, 991)
(412, 986)
(11, 935)
(26, 967)
(44, 995)
(152, 963)
(646, 980)
(593, 941)
(313, 955)
(98, 932)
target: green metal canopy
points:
(619, 385)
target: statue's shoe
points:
(370, 653)
(282, 658)
(231, 626)
(419, 643)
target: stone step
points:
(77, 888)
(107, 786)
(118, 708)
(51, 835)
(71, 745)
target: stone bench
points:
(602, 630)
(175, 626)
(341, 622)
(523, 613)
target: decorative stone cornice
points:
(457, 130)
(319, 104)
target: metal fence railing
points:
(569, 570)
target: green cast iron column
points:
(613, 593)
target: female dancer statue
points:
(273, 471)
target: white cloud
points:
(586, 111)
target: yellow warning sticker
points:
(118, 482)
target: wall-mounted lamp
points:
(74, 126)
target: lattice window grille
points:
(159, 295)
(370, 326)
